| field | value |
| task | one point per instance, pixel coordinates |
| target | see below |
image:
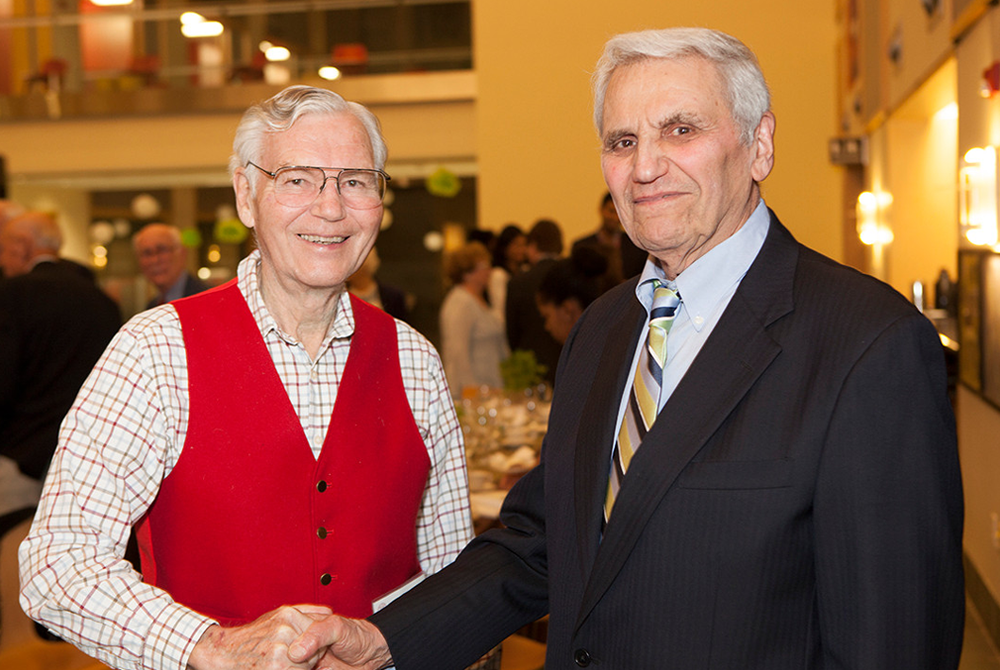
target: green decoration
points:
(443, 183)
(521, 370)
(230, 231)
(191, 238)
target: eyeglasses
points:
(300, 185)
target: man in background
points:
(163, 260)
(525, 323)
(625, 259)
(8, 210)
(54, 324)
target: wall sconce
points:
(978, 191)
(991, 80)
(873, 218)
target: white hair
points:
(745, 87)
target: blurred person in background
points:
(282, 448)
(163, 260)
(625, 259)
(525, 325)
(569, 287)
(509, 258)
(472, 338)
(363, 284)
(54, 324)
(8, 210)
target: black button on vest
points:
(582, 657)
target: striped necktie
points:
(645, 394)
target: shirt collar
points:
(248, 281)
(713, 276)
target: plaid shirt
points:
(125, 433)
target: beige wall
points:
(978, 422)
(537, 149)
(917, 163)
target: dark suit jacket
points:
(632, 259)
(525, 325)
(797, 504)
(54, 325)
(192, 285)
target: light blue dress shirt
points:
(705, 287)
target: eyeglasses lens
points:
(359, 189)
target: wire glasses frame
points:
(300, 185)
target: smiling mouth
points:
(316, 239)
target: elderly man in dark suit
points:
(797, 502)
(163, 260)
(54, 324)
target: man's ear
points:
(763, 145)
(244, 197)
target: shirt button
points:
(581, 657)
(325, 579)
(321, 486)
(698, 320)
(321, 533)
(314, 375)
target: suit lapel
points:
(735, 355)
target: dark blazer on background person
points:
(632, 258)
(796, 505)
(525, 324)
(192, 285)
(54, 325)
(393, 302)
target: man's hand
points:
(260, 645)
(349, 643)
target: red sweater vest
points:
(249, 520)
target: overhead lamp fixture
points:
(329, 73)
(110, 3)
(194, 25)
(873, 218)
(277, 54)
(978, 190)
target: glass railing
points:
(146, 45)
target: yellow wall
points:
(978, 422)
(537, 149)
(921, 173)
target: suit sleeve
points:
(498, 584)
(888, 512)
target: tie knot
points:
(665, 302)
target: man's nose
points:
(329, 203)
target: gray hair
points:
(746, 90)
(281, 111)
(41, 228)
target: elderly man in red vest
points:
(273, 441)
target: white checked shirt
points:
(124, 435)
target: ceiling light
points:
(110, 3)
(329, 73)
(277, 54)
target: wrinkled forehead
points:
(316, 133)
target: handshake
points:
(293, 636)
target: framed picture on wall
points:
(990, 345)
(970, 319)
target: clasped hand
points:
(308, 637)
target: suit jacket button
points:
(321, 533)
(321, 486)
(325, 579)
(582, 657)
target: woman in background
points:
(510, 253)
(472, 338)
